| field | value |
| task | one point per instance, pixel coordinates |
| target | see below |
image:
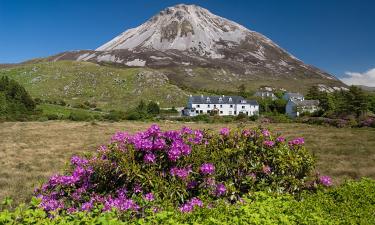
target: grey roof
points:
(220, 100)
(307, 103)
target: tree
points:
(242, 90)
(15, 102)
(314, 93)
(357, 101)
(153, 108)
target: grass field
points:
(30, 152)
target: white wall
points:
(226, 109)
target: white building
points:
(294, 108)
(265, 94)
(293, 96)
(220, 105)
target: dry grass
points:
(32, 151)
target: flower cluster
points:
(190, 205)
(297, 142)
(325, 181)
(207, 168)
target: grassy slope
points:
(33, 151)
(109, 87)
(121, 88)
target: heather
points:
(184, 169)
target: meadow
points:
(30, 152)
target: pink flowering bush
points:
(183, 168)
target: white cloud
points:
(354, 78)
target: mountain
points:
(193, 50)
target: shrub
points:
(52, 116)
(79, 116)
(351, 203)
(115, 115)
(179, 168)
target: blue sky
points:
(336, 36)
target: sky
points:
(335, 36)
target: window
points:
(230, 112)
(197, 111)
(235, 112)
(243, 106)
(220, 99)
(221, 106)
(214, 106)
(221, 112)
(208, 106)
(201, 111)
(231, 106)
(208, 111)
(198, 106)
(230, 99)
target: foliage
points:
(351, 203)
(80, 116)
(352, 102)
(267, 105)
(180, 168)
(15, 102)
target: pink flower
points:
(207, 168)
(266, 169)
(269, 144)
(280, 139)
(224, 131)
(266, 133)
(325, 181)
(149, 197)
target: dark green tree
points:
(153, 108)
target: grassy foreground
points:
(30, 152)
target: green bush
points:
(79, 116)
(114, 115)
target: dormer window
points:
(220, 99)
(230, 99)
(208, 99)
(243, 101)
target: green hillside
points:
(107, 87)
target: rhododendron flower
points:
(297, 142)
(207, 168)
(189, 206)
(280, 139)
(71, 210)
(220, 190)
(268, 143)
(266, 169)
(325, 181)
(198, 137)
(149, 158)
(186, 130)
(266, 133)
(87, 206)
(246, 133)
(78, 161)
(182, 173)
(149, 197)
(224, 131)
(121, 137)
